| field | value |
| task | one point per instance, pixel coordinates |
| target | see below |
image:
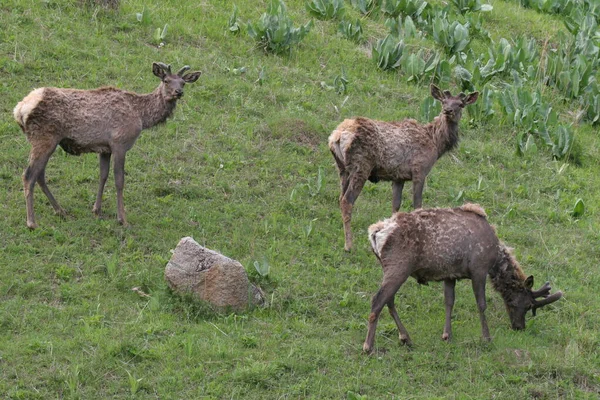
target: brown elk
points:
(106, 121)
(447, 244)
(366, 149)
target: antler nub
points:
(164, 66)
(182, 70)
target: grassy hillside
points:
(244, 168)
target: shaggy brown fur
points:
(445, 245)
(366, 149)
(106, 121)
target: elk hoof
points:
(366, 348)
(405, 340)
(446, 336)
(31, 225)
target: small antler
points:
(547, 300)
(544, 291)
(447, 93)
(182, 70)
(164, 66)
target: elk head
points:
(452, 105)
(526, 299)
(173, 83)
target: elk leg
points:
(119, 171)
(404, 337)
(386, 293)
(479, 290)
(418, 184)
(38, 158)
(41, 180)
(449, 301)
(104, 159)
(397, 195)
(355, 185)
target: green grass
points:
(237, 168)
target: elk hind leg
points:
(384, 296)
(403, 335)
(355, 185)
(41, 180)
(38, 158)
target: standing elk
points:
(366, 149)
(446, 244)
(106, 121)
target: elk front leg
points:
(397, 195)
(104, 160)
(479, 290)
(449, 301)
(418, 184)
(119, 171)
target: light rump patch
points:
(474, 208)
(27, 105)
(379, 233)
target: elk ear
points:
(192, 76)
(159, 71)
(529, 282)
(436, 93)
(471, 98)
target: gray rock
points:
(210, 276)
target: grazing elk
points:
(447, 244)
(106, 121)
(393, 151)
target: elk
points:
(446, 244)
(366, 149)
(106, 121)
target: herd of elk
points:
(427, 244)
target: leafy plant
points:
(483, 109)
(430, 108)
(387, 52)
(143, 17)
(420, 65)
(326, 9)
(351, 30)
(366, 7)
(263, 268)
(409, 8)
(452, 37)
(559, 140)
(400, 29)
(275, 32)
(340, 83)
(232, 24)
(466, 6)
(160, 35)
(578, 208)
(134, 383)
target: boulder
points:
(210, 276)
